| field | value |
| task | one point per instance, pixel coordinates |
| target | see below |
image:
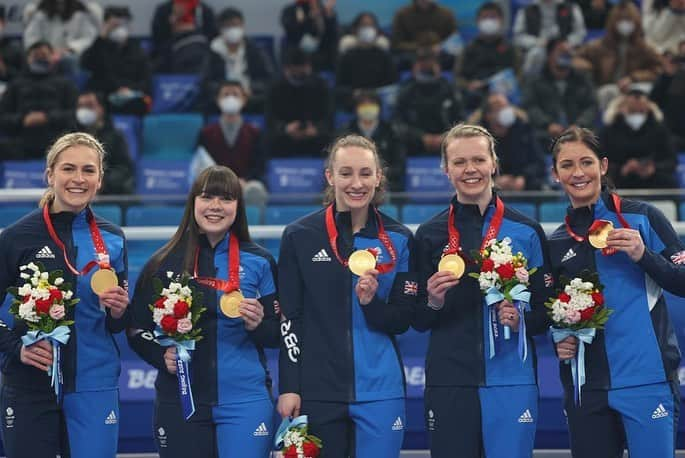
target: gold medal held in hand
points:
(360, 261)
(102, 280)
(452, 263)
(230, 304)
(598, 236)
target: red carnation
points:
(587, 313)
(310, 450)
(169, 324)
(43, 306)
(563, 297)
(181, 309)
(488, 265)
(159, 303)
(598, 298)
(27, 298)
(290, 452)
(55, 295)
(505, 271)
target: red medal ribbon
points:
(597, 224)
(100, 247)
(233, 282)
(454, 236)
(382, 236)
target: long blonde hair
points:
(62, 143)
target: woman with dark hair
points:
(346, 290)
(230, 383)
(631, 395)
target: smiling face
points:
(214, 215)
(580, 172)
(470, 166)
(75, 178)
(354, 175)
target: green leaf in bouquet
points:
(474, 275)
(157, 286)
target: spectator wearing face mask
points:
(560, 97)
(669, 93)
(664, 23)
(487, 54)
(366, 49)
(11, 55)
(233, 143)
(119, 67)
(243, 60)
(312, 26)
(637, 143)
(37, 106)
(298, 109)
(621, 56)
(389, 140)
(521, 159)
(92, 117)
(427, 103)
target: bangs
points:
(222, 183)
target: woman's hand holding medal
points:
(438, 284)
(252, 312)
(366, 286)
(627, 240)
(116, 300)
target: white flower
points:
(32, 266)
(68, 294)
(34, 281)
(24, 267)
(157, 315)
(24, 290)
(486, 280)
(59, 281)
(27, 312)
(174, 287)
(44, 276)
(185, 291)
(24, 276)
(169, 274)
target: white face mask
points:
(119, 34)
(232, 35)
(506, 116)
(366, 34)
(309, 43)
(86, 116)
(635, 120)
(625, 27)
(489, 26)
(230, 104)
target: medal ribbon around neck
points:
(233, 283)
(454, 236)
(597, 224)
(382, 236)
(100, 247)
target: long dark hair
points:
(216, 180)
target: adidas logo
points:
(111, 418)
(659, 412)
(321, 256)
(261, 430)
(398, 426)
(569, 254)
(45, 253)
(526, 417)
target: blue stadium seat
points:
(391, 210)
(171, 136)
(527, 208)
(680, 171)
(257, 120)
(11, 214)
(174, 93)
(159, 176)
(254, 214)
(419, 213)
(342, 119)
(286, 214)
(23, 174)
(130, 126)
(293, 176)
(424, 175)
(553, 212)
(110, 212)
(154, 215)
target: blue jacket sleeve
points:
(395, 315)
(664, 256)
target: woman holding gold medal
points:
(631, 395)
(64, 234)
(479, 398)
(230, 384)
(346, 289)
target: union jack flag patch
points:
(411, 288)
(678, 258)
(549, 280)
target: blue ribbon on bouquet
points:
(584, 336)
(183, 357)
(57, 337)
(286, 425)
(521, 298)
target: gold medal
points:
(360, 261)
(102, 280)
(598, 237)
(230, 304)
(452, 263)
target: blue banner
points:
(162, 177)
(295, 176)
(23, 174)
